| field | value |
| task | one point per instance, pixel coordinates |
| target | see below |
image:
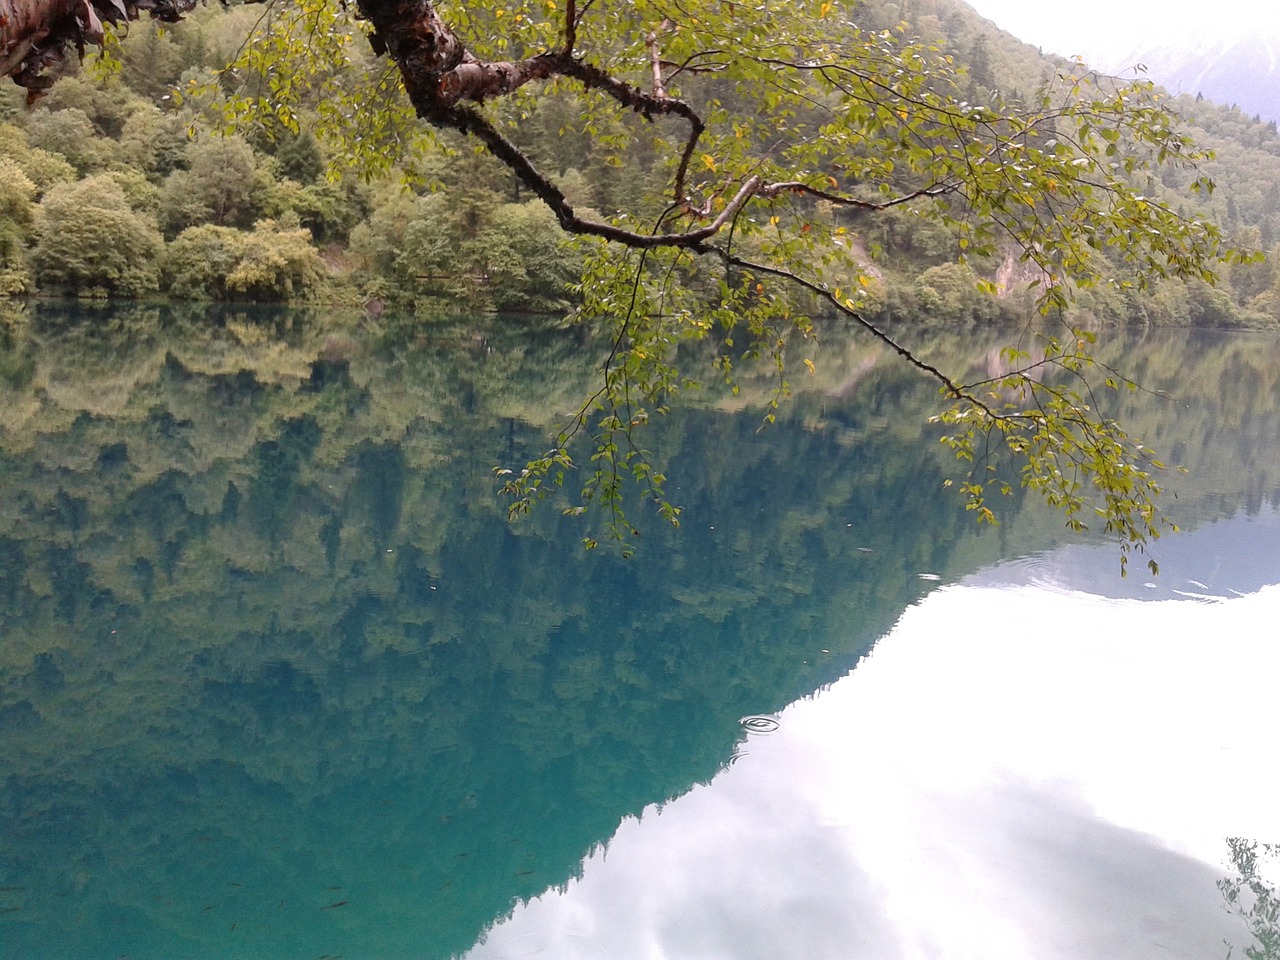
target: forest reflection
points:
(279, 677)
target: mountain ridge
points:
(1244, 71)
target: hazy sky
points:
(1101, 30)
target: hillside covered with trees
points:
(124, 180)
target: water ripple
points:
(756, 724)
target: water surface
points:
(279, 679)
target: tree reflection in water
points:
(278, 676)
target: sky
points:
(1101, 30)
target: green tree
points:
(200, 259)
(299, 156)
(100, 96)
(220, 185)
(90, 241)
(152, 61)
(951, 291)
(44, 169)
(327, 209)
(154, 142)
(389, 262)
(527, 262)
(274, 262)
(1249, 895)
(278, 263)
(981, 77)
(16, 213)
(70, 133)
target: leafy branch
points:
(842, 124)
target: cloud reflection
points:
(1016, 771)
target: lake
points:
(279, 679)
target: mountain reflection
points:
(278, 678)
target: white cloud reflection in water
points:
(1022, 770)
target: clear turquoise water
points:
(278, 679)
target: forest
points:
(126, 180)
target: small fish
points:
(12, 889)
(334, 906)
(234, 884)
(524, 873)
(10, 909)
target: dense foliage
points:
(730, 173)
(159, 110)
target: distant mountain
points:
(1242, 70)
(1228, 55)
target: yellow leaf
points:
(709, 161)
(863, 281)
(824, 10)
(809, 363)
(773, 221)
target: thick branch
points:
(35, 34)
(440, 75)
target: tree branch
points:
(795, 186)
(954, 390)
(655, 60)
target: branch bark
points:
(35, 34)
